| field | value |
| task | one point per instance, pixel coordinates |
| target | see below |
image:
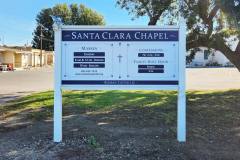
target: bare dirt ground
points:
(130, 133)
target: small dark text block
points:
(150, 54)
(89, 65)
(89, 54)
(150, 66)
(150, 71)
(89, 59)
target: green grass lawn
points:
(40, 105)
(84, 101)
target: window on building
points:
(206, 54)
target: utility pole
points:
(41, 46)
(42, 38)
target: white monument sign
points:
(119, 58)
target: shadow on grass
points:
(88, 101)
(31, 102)
(208, 104)
(222, 106)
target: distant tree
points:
(73, 14)
(152, 8)
(44, 19)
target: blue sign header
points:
(120, 35)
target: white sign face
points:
(133, 58)
(101, 58)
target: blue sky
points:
(17, 17)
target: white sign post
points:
(120, 58)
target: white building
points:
(205, 57)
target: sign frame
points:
(58, 87)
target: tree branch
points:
(210, 19)
(237, 51)
(213, 13)
(216, 42)
(224, 49)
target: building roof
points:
(22, 49)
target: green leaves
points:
(73, 14)
(231, 8)
(151, 8)
(77, 15)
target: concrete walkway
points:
(19, 83)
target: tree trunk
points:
(219, 44)
(233, 57)
(153, 20)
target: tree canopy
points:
(73, 14)
(211, 23)
(152, 8)
(214, 24)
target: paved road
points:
(213, 79)
(19, 83)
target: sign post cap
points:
(57, 22)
